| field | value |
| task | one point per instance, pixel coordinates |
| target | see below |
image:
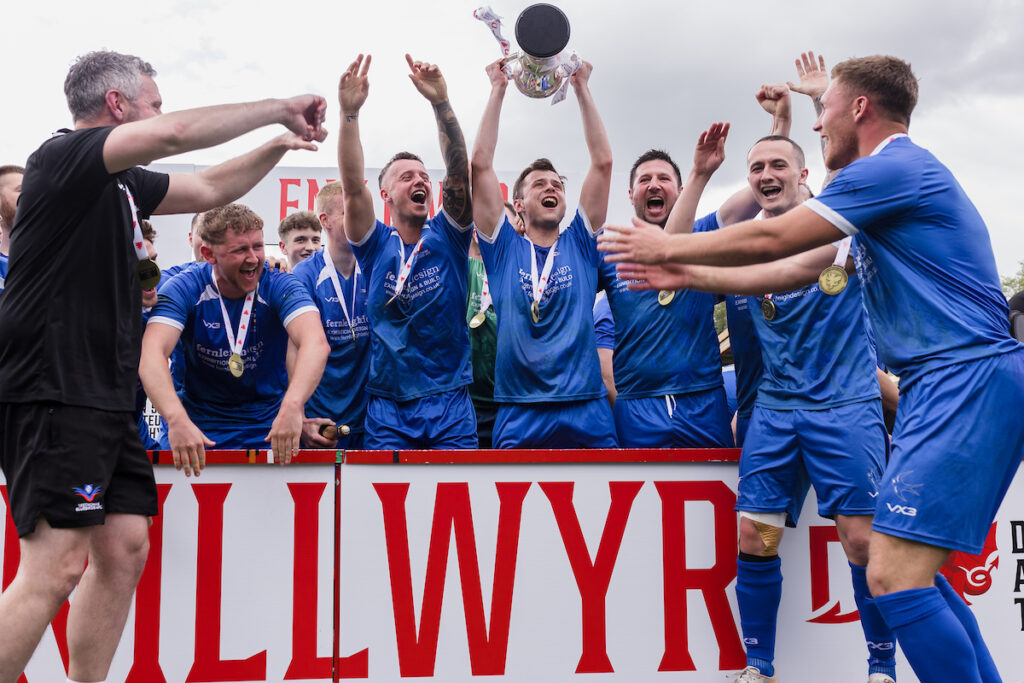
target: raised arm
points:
(455, 189)
(774, 99)
(487, 200)
(188, 444)
(306, 333)
(141, 142)
(707, 157)
(226, 182)
(352, 90)
(598, 181)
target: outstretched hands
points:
(710, 151)
(661, 276)
(354, 85)
(813, 76)
(428, 80)
(641, 242)
(304, 116)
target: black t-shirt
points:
(70, 323)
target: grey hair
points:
(94, 74)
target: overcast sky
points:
(662, 72)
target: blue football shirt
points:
(213, 398)
(746, 353)
(3, 270)
(815, 351)
(419, 344)
(341, 394)
(556, 358)
(604, 323)
(925, 259)
(662, 350)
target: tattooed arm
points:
(455, 190)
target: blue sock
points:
(758, 594)
(934, 642)
(880, 639)
(987, 667)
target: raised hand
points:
(774, 99)
(496, 73)
(813, 76)
(428, 80)
(581, 78)
(354, 85)
(710, 151)
(305, 117)
(291, 141)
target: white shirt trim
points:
(299, 311)
(831, 216)
(166, 321)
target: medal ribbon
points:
(236, 344)
(485, 296)
(337, 290)
(843, 252)
(540, 285)
(403, 275)
(882, 145)
(137, 242)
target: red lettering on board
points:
(146, 664)
(592, 577)
(285, 202)
(208, 666)
(452, 515)
(711, 582)
(819, 538)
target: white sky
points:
(662, 71)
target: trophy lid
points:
(542, 30)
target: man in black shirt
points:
(80, 486)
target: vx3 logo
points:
(211, 325)
(902, 509)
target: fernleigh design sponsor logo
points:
(88, 494)
(971, 575)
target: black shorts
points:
(73, 465)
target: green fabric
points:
(483, 340)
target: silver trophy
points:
(542, 66)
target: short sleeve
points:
(869, 192)
(289, 298)
(174, 303)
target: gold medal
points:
(768, 309)
(149, 273)
(665, 297)
(535, 312)
(477, 320)
(391, 299)
(235, 365)
(833, 280)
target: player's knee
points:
(125, 552)
(760, 533)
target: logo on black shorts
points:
(88, 494)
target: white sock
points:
(68, 680)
